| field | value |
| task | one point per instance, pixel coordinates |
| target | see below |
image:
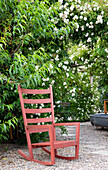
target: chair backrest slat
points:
(36, 101)
(28, 104)
(39, 120)
(30, 91)
(45, 110)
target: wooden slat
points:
(41, 144)
(37, 128)
(31, 91)
(39, 120)
(63, 144)
(57, 144)
(45, 110)
(36, 101)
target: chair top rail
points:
(36, 91)
(37, 101)
(44, 110)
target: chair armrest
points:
(77, 124)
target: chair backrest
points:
(33, 119)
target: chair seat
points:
(57, 144)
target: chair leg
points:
(52, 145)
(77, 151)
(29, 145)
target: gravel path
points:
(93, 153)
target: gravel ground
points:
(93, 153)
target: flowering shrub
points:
(61, 44)
(87, 26)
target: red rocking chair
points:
(31, 126)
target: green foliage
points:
(58, 43)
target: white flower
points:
(67, 74)
(89, 39)
(102, 12)
(91, 26)
(30, 48)
(57, 102)
(76, 25)
(87, 24)
(57, 58)
(82, 13)
(53, 81)
(81, 8)
(99, 19)
(107, 23)
(51, 66)
(36, 67)
(66, 62)
(57, 51)
(43, 84)
(73, 94)
(65, 14)
(61, 7)
(64, 83)
(42, 105)
(92, 33)
(75, 17)
(52, 20)
(55, 29)
(64, 67)
(72, 7)
(82, 27)
(61, 37)
(97, 8)
(82, 58)
(86, 35)
(85, 18)
(81, 17)
(74, 89)
(71, 57)
(66, 20)
(66, 4)
(61, 15)
(47, 79)
(60, 64)
(106, 50)
(71, 14)
(61, 1)
(79, 1)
